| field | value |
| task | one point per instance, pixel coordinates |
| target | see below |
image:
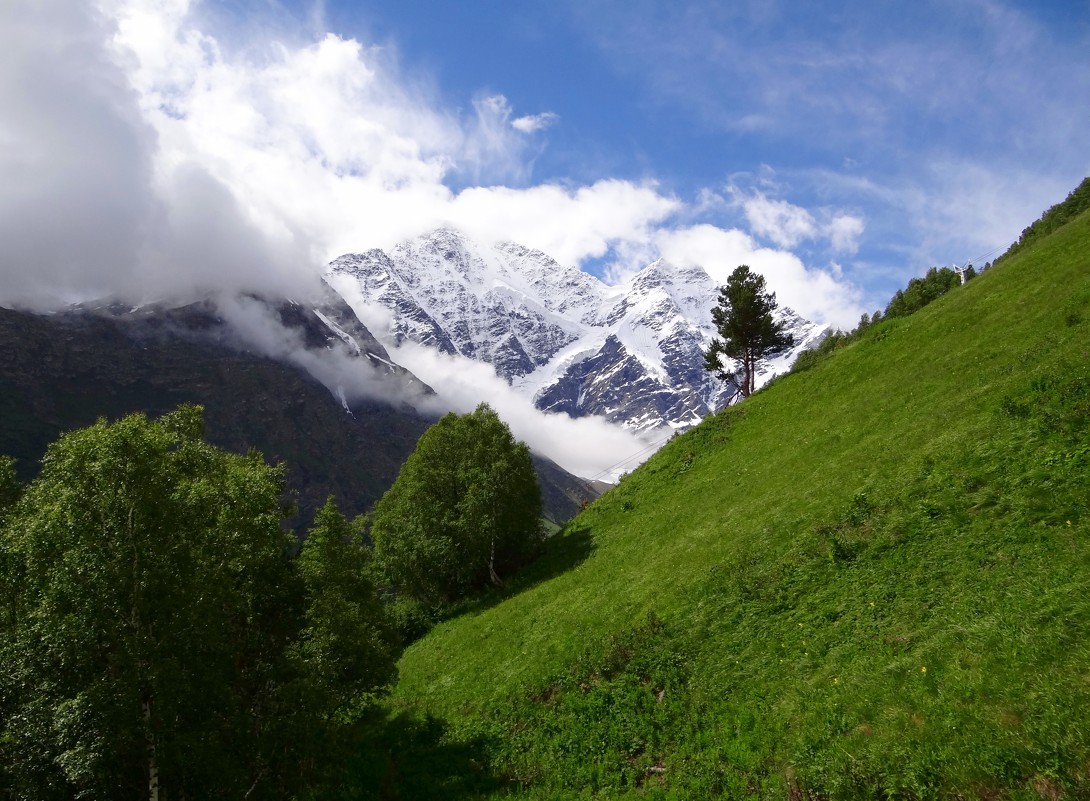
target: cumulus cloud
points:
(330, 140)
(786, 225)
(571, 225)
(87, 208)
(778, 220)
(817, 294)
(142, 157)
(196, 165)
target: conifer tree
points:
(743, 316)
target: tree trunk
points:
(492, 575)
(153, 765)
(749, 366)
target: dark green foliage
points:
(921, 291)
(411, 618)
(155, 625)
(64, 371)
(743, 318)
(409, 757)
(465, 511)
(1076, 203)
(348, 645)
(153, 584)
(9, 484)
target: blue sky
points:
(840, 148)
(890, 111)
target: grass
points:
(871, 579)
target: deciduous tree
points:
(158, 638)
(347, 647)
(465, 510)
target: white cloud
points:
(571, 225)
(534, 122)
(346, 375)
(787, 225)
(142, 158)
(330, 144)
(585, 446)
(190, 166)
(844, 231)
(819, 295)
(784, 224)
(87, 205)
(493, 148)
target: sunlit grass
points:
(871, 579)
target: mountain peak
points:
(633, 353)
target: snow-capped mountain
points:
(631, 353)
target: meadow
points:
(870, 579)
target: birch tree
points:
(465, 510)
(156, 639)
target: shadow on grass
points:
(407, 757)
(560, 553)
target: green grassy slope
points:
(871, 579)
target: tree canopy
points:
(158, 638)
(347, 643)
(743, 316)
(464, 511)
(922, 291)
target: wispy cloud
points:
(839, 78)
(966, 114)
(586, 446)
(534, 122)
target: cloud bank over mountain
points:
(143, 155)
(149, 149)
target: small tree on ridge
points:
(743, 318)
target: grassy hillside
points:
(871, 579)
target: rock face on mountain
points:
(631, 353)
(253, 365)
